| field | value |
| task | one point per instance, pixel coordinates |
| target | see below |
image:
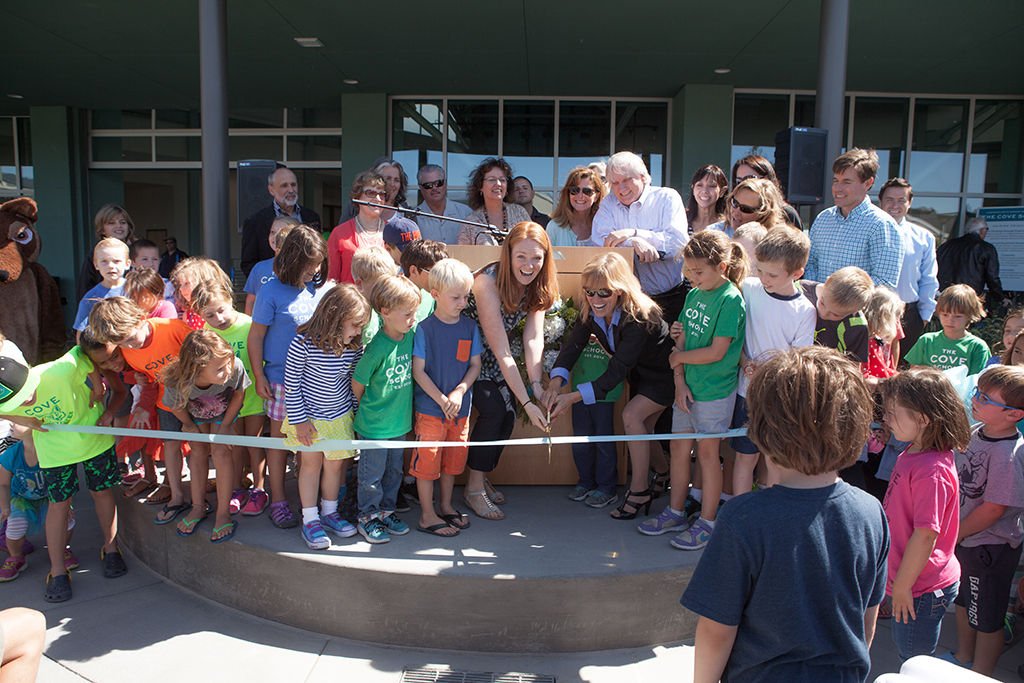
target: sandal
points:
(139, 487)
(170, 513)
(191, 526)
(630, 508)
(218, 529)
(58, 588)
(481, 505)
(458, 520)
(659, 484)
(161, 496)
(497, 497)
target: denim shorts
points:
(921, 635)
(705, 417)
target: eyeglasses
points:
(745, 177)
(589, 191)
(432, 184)
(743, 207)
(501, 180)
(982, 398)
(370, 194)
(600, 293)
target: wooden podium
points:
(529, 464)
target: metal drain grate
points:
(434, 675)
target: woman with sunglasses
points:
(755, 166)
(709, 190)
(366, 229)
(753, 200)
(488, 186)
(628, 325)
(396, 184)
(573, 218)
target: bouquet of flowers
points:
(558, 322)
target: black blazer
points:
(640, 347)
(256, 234)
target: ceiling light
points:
(16, 97)
(350, 81)
(309, 42)
(722, 71)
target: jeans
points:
(921, 635)
(380, 476)
(597, 463)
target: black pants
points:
(496, 417)
(913, 328)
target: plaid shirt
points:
(868, 238)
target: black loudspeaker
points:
(800, 163)
(252, 187)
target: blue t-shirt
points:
(260, 275)
(26, 482)
(89, 300)
(446, 350)
(812, 559)
(282, 308)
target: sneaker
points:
(694, 538)
(335, 523)
(692, 506)
(410, 492)
(600, 499)
(395, 526)
(12, 568)
(70, 561)
(239, 497)
(580, 493)
(315, 536)
(281, 515)
(256, 504)
(401, 504)
(662, 524)
(132, 475)
(373, 531)
(1011, 633)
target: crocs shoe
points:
(239, 497)
(336, 524)
(281, 515)
(694, 538)
(580, 493)
(373, 531)
(395, 526)
(665, 522)
(58, 588)
(315, 536)
(113, 564)
(12, 568)
(256, 503)
(70, 561)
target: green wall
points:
(364, 130)
(701, 132)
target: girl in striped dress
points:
(320, 405)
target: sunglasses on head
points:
(600, 293)
(743, 207)
(589, 191)
(432, 184)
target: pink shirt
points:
(164, 309)
(924, 493)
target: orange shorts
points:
(429, 462)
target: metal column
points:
(213, 79)
(833, 40)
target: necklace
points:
(504, 217)
(363, 229)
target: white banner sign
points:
(1006, 234)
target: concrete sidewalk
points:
(142, 628)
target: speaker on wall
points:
(252, 187)
(800, 163)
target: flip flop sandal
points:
(113, 564)
(190, 527)
(58, 588)
(458, 520)
(138, 488)
(218, 529)
(173, 511)
(433, 530)
(161, 496)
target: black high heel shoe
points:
(659, 484)
(635, 508)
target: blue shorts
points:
(742, 444)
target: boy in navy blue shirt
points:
(809, 552)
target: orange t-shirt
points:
(164, 345)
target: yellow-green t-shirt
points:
(238, 337)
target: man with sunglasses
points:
(434, 188)
(284, 188)
(855, 232)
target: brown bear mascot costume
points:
(30, 311)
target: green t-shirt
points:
(238, 337)
(939, 351)
(593, 363)
(385, 369)
(426, 306)
(372, 327)
(706, 315)
(63, 398)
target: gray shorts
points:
(705, 417)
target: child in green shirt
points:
(958, 306)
